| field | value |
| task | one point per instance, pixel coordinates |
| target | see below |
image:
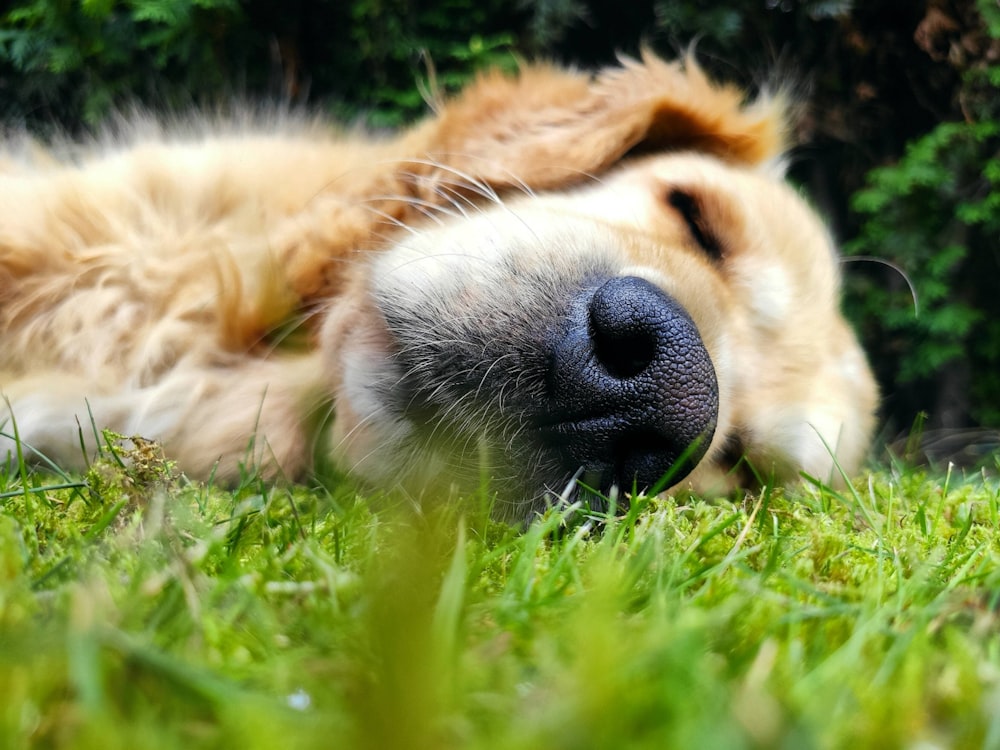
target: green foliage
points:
(549, 20)
(78, 58)
(936, 213)
(722, 24)
(73, 61)
(394, 38)
(990, 13)
(725, 29)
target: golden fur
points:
(147, 283)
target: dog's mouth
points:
(612, 385)
(603, 454)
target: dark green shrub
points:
(68, 62)
(936, 214)
(71, 62)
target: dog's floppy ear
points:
(550, 127)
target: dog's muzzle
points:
(633, 394)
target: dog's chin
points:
(431, 462)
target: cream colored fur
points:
(143, 283)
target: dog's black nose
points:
(634, 396)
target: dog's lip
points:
(641, 455)
(562, 424)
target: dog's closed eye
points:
(689, 207)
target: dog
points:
(557, 279)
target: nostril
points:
(623, 356)
(626, 318)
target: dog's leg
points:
(213, 421)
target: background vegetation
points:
(899, 141)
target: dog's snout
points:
(634, 392)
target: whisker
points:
(392, 220)
(895, 267)
(467, 180)
(409, 200)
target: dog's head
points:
(615, 284)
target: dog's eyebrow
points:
(689, 208)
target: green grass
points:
(140, 611)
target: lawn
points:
(138, 610)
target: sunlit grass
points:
(138, 610)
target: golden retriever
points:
(556, 276)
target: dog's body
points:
(476, 291)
